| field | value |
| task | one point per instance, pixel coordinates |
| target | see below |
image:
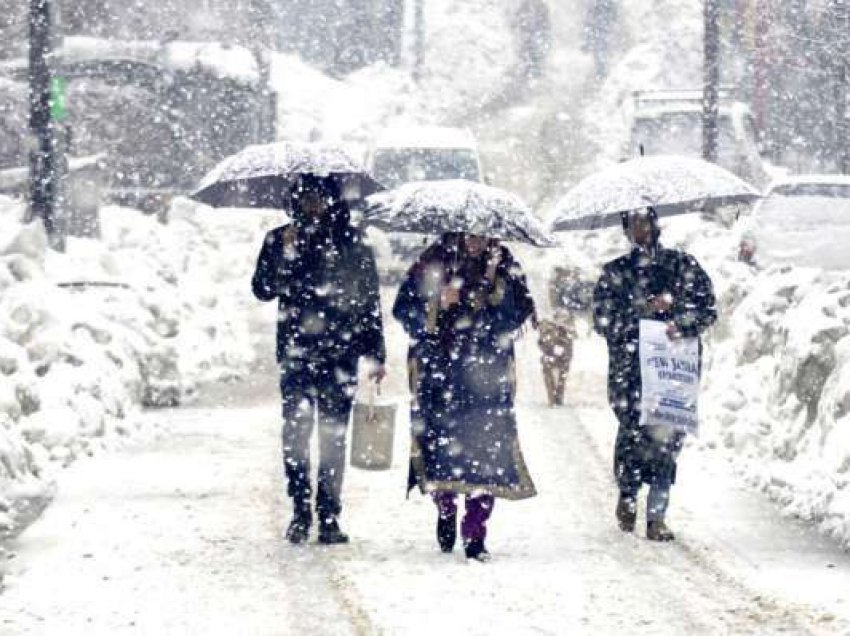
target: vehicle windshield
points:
(679, 133)
(393, 167)
(827, 190)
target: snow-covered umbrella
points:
(262, 175)
(671, 184)
(456, 205)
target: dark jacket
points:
(462, 372)
(327, 290)
(621, 299)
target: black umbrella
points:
(262, 176)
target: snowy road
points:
(180, 534)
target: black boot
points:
(329, 532)
(447, 532)
(475, 550)
(299, 527)
(658, 531)
(626, 513)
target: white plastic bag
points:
(669, 377)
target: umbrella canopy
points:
(671, 184)
(262, 176)
(456, 205)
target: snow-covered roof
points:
(813, 179)
(222, 60)
(654, 109)
(425, 137)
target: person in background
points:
(650, 282)
(326, 283)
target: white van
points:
(418, 153)
(424, 153)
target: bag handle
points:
(376, 389)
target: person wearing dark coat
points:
(461, 304)
(326, 283)
(653, 283)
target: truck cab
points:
(670, 122)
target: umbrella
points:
(261, 176)
(456, 205)
(671, 184)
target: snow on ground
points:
(191, 539)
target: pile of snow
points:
(139, 318)
(777, 390)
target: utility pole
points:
(711, 87)
(418, 39)
(46, 106)
(841, 9)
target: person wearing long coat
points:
(650, 282)
(461, 304)
(325, 280)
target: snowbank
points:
(141, 317)
(777, 390)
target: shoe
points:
(447, 532)
(626, 514)
(299, 527)
(658, 531)
(329, 532)
(475, 550)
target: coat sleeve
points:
(511, 305)
(605, 305)
(409, 307)
(370, 322)
(278, 275)
(265, 281)
(615, 316)
(695, 310)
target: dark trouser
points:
(646, 455)
(316, 391)
(478, 511)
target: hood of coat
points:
(336, 218)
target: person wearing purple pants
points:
(473, 527)
(461, 304)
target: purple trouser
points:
(478, 510)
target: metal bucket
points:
(373, 430)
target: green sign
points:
(58, 111)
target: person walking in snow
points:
(326, 283)
(461, 303)
(654, 283)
